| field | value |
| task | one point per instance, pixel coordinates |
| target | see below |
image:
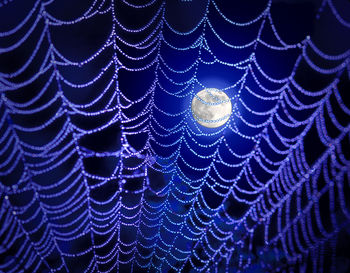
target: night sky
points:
(103, 167)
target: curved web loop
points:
(104, 169)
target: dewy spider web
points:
(104, 169)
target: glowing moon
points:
(211, 107)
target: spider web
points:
(104, 169)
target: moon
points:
(211, 107)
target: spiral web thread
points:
(151, 207)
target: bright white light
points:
(211, 107)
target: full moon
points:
(211, 107)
